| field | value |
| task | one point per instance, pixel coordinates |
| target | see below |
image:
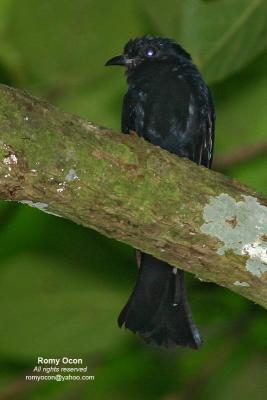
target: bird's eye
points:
(150, 52)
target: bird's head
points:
(148, 49)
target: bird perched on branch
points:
(169, 105)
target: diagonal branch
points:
(125, 188)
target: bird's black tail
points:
(157, 309)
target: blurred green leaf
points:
(9, 60)
(242, 118)
(163, 18)
(49, 307)
(4, 14)
(62, 48)
(241, 106)
(252, 173)
(59, 42)
(223, 36)
(246, 382)
(102, 103)
(258, 331)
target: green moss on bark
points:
(119, 185)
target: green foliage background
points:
(62, 286)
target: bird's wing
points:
(206, 151)
(173, 116)
(127, 117)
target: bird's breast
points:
(166, 114)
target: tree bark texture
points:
(127, 189)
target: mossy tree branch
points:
(125, 188)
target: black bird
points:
(168, 104)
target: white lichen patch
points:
(71, 155)
(89, 126)
(241, 226)
(39, 205)
(11, 159)
(71, 175)
(62, 187)
(244, 284)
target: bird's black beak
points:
(118, 60)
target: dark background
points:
(62, 286)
